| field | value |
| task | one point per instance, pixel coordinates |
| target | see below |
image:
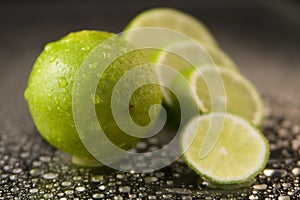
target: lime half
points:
(222, 90)
(239, 154)
(171, 19)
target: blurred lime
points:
(223, 90)
(184, 55)
(171, 19)
(239, 154)
(49, 93)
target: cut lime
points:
(239, 154)
(188, 54)
(171, 19)
(222, 90)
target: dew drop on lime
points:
(62, 82)
(52, 58)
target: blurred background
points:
(262, 37)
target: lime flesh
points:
(240, 152)
(222, 90)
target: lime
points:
(171, 19)
(223, 90)
(239, 154)
(184, 55)
(49, 93)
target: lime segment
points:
(240, 152)
(240, 96)
(171, 19)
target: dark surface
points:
(262, 38)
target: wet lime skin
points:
(50, 85)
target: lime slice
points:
(170, 19)
(222, 90)
(184, 55)
(239, 154)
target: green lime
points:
(239, 154)
(172, 19)
(49, 93)
(223, 90)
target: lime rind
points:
(217, 181)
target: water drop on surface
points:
(66, 183)
(80, 189)
(283, 198)
(253, 197)
(102, 187)
(118, 198)
(151, 179)
(98, 196)
(48, 195)
(124, 189)
(276, 173)
(260, 186)
(69, 192)
(33, 190)
(296, 171)
(50, 175)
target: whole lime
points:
(49, 93)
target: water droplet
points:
(167, 196)
(52, 59)
(48, 47)
(68, 192)
(118, 198)
(151, 179)
(186, 198)
(296, 171)
(50, 175)
(97, 178)
(102, 187)
(260, 186)
(17, 170)
(62, 82)
(48, 195)
(178, 190)
(252, 197)
(286, 185)
(283, 198)
(276, 173)
(124, 189)
(80, 188)
(86, 48)
(119, 176)
(33, 190)
(66, 183)
(76, 178)
(98, 196)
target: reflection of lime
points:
(239, 154)
(239, 97)
(49, 93)
(171, 19)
